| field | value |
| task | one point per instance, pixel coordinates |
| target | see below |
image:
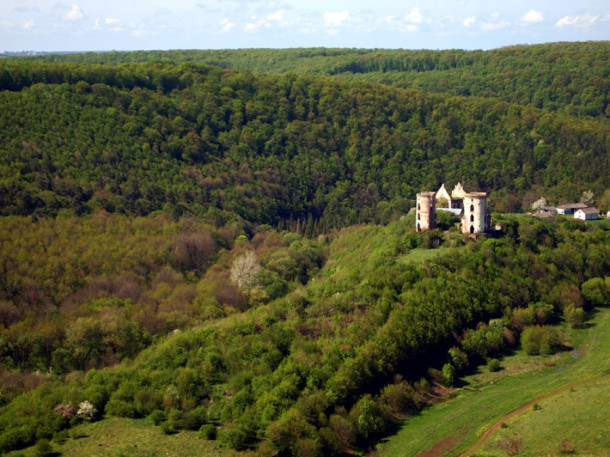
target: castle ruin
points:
(425, 218)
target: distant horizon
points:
(52, 27)
(102, 51)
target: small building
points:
(586, 214)
(442, 194)
(425, 218)
(570, 208)
(457, 197)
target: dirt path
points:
(485, 436)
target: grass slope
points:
(114, 437)
(579, 416)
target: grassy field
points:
(450, 428)
(116, 437)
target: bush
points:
(120, 408)
(167, 428)
(458, 358)
(493, 365)
(596, 292)
(43, 449)
(574, 315)
(158, 416)
(540, 340)
(207, 432)
(448, 374)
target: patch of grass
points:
(114, 437)
(574, 422)
(420, 255)
(488, 397)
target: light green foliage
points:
(596, 291)
(448, 374)
(540, 339)
(574, 315)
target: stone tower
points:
(475, 219)
(425, 218)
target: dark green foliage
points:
(43, 449)
(158, 416)
(565, 77)
(310, 154)
(207, 432)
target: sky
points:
(101, 25)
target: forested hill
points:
(571, 78)
(195, 139)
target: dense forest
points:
(571, 78)
(221, 240)
(191, 139)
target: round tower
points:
(475, 218)
(425, 218)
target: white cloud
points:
(28, 24)
(414, 17)
(532, 17)
(412, 28)
(110, 21)
(74, 14)
(495, 25)
(585, 20)
(226, 25)
(470, 20)
(335, 19)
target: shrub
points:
(540, 340)
(167, 428)
(158, 416)
(524, 317)
(458, 358)
(493, 365)
(448, 374)
(120, 408)
(66, 410)
(207, 432)
(17, 438)
(43, 449)
(574, 315)
(596, 292)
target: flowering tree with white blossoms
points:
(86, 411)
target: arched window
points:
(471, 207)
(418, 228)
(472, 218)
(418, 207)
(472, 229)
(418, 218)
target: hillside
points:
(194, 139)
(327, 348)
(570, 78)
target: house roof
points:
(588, 210)
(572, 206)
(442, 193)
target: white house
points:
(586, 214)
